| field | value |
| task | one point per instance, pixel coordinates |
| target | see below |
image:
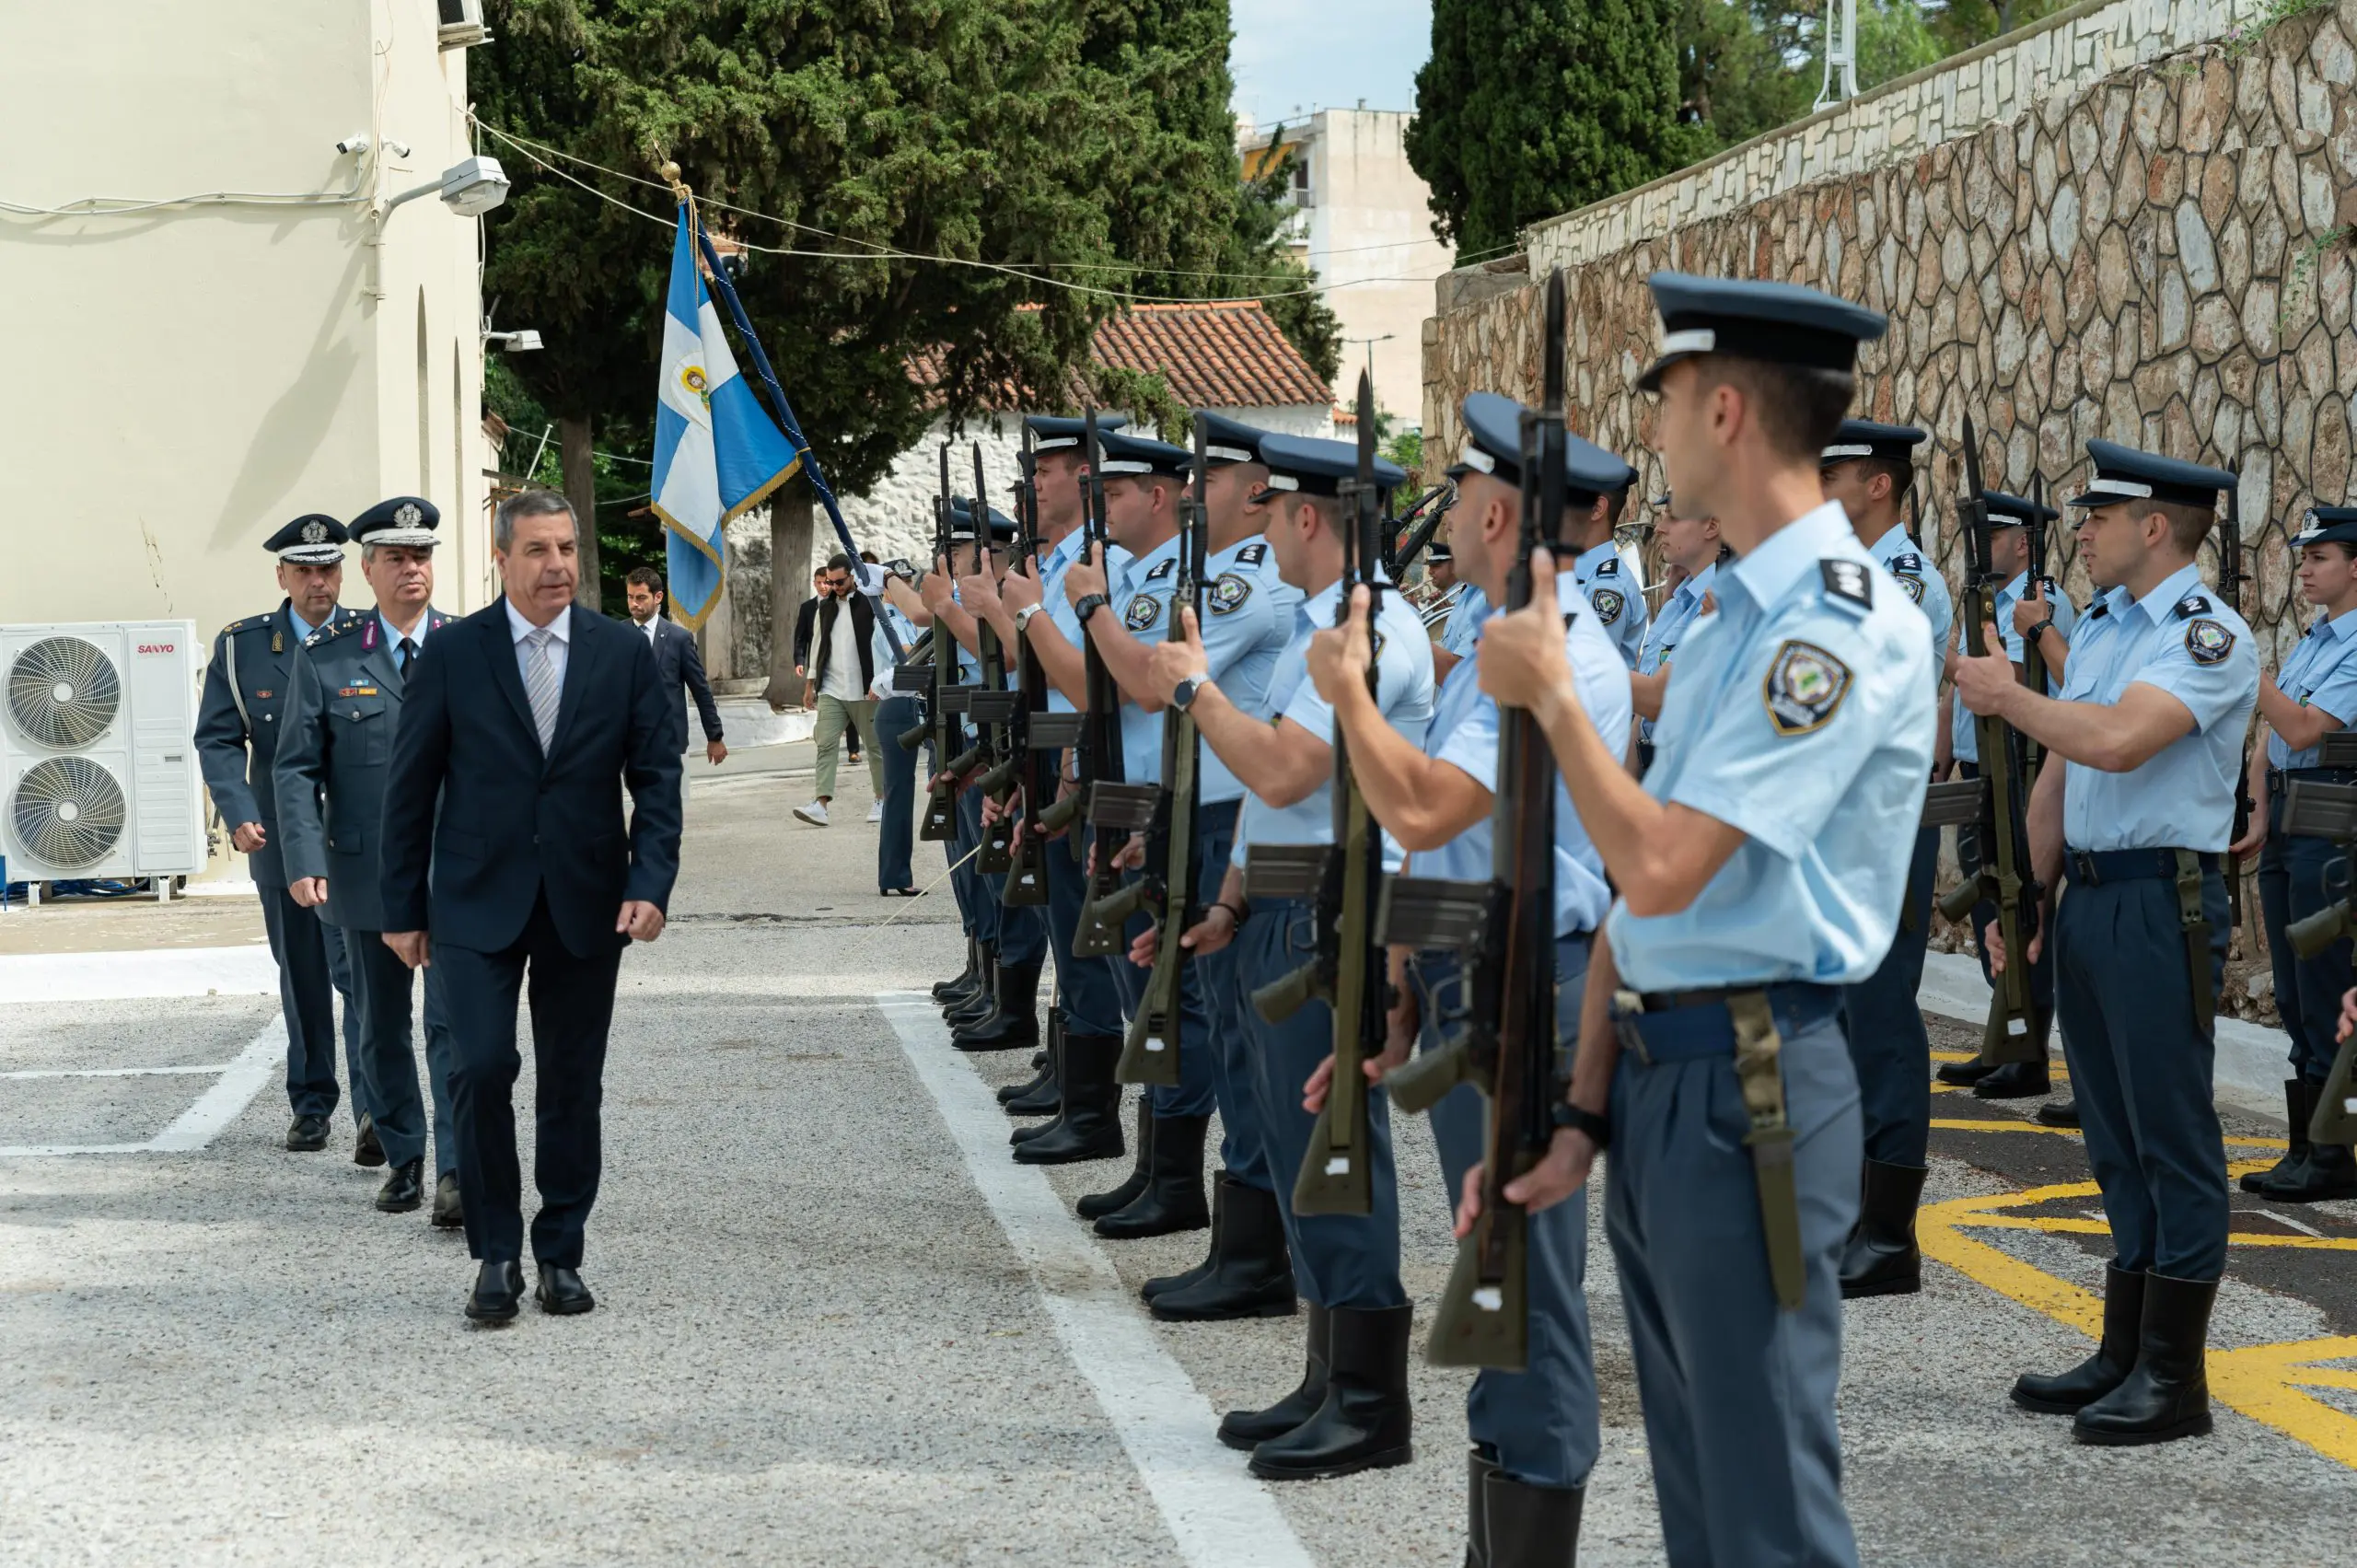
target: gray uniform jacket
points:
(240, 720)
(333, 760)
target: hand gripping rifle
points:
(947, 699)
(1507, 925)
(2230, 588)
(1996, 802)
(1168, 814)
(2329, 811)
(994, 707)
(1100, 732)
(1344, 879)
(1028, 761)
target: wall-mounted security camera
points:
(398, 149)
(524, 340)
(355, 143)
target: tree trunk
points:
(581, 489)
(790, 523)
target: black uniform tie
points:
(408, 652)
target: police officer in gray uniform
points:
(238, 726)
(1759, 868)
(330, 782)
(2163, 676)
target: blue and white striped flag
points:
(717, 453)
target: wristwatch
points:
(1182, 696)
(2043, 627)
(1597, 1128)
(1023, 618)
(1089, 605)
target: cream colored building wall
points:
(176, 384)
(1370, 234)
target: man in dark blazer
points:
(526, 720)
(675, 660)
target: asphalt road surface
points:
(836, 1326)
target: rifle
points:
(994, 706)
(2329, 811)
(1028, 761)
(2230, 588)
(2034, 673)
(1400, 553)
(1998, 802)
(1100, 733)
(1507, 925)
(1343, 880)
(1168, 814)
(947, 699)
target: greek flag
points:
(717, 453)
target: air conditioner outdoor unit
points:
(97, 761)
(461, 25)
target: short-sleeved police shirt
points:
(1964, 738)
(2320, 674)
(1618, 599)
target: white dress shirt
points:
(560, 647)
(841, 680)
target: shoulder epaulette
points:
(1162, 570)
(2096, 609)
(1901, 565)
(242, 625)
(1848, 580)
(2192, 605)
(1252, 555)
(1608, 567)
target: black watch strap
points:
(1089, 605)
(1598, 1128)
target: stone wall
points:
(2159, 255)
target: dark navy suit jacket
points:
(512, 821)
(679, 664)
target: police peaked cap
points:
(1865, 438)
(1136, 457)
(2007, 511)
(1307, 465)
(2123, 473)
(2328, 525)
(312, 539)
(1493, 446)
(1778, 323)
(1056, 433)
(961, 523)
(1228, 440)
(404, 519)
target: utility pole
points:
(1840, 53)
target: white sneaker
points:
(875, 812)
(815, 813)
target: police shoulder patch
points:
(2191, 605)
(1229, 592)
(1914, 586)
(1609, 604)
(1252, 555)
(1805, 686)
(2208, 641)
(1163, 570)
(1144, 611)
(1847, 579)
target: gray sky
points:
(1327, 55)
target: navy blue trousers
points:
(382, 990)
(893, 716)
(1739, 1394)
(1340, 1259)
(313, 969)
(1086, 997)
(1196, 1092)
(1240, 1149)
(1889, 1049)
(2296, 878)
(2140, 1070)
(1540, 1425)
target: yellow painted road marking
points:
(1958, 1125)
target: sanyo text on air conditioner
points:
(98, 765)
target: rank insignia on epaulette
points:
(1252, 555)
(2208, 641)
(1848, 579)
(1609, 603)
(1228, 594)
(1609, 567)
(1805, 685)
(1902, 564)
(1144, 611)
(2192, 605)
(1163, 570)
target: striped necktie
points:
(541, 684)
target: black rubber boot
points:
(1249, 1272)
(979, 1004)
(1162, 1284)
(1097, 1205)
(1043, 1068)
(2014, 1080)
(2328, 1170)
(2297, 1109)
(2123, 1315)
(2058, 1113)
(1880, 1258)
(1249, 1429)
(963, 979)
(1529, 1526)
(1014, 1024)
(1090, 1127)
(975, 984)
(1479, 1468)
(1173, 1199)
(1364, 1421)
(2168, 1395)
(1040, 1096)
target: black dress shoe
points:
(307, 1135)
(366, 1149)
(2014, 1080)
(448, 1212)
(404, 1189)
(561, 1293)
(499, 1292)
(2058, 1113)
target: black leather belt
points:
(2096, 868)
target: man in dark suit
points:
(675, 660)
(525, 720)
(236, 742)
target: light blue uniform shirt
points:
(1058, 609)
(1618, 599)
(1465, 621)
(880, 646)
(303, 630)
(1247, 619)
(1678, 613)
(1403, 691)
(1923, 584)
(1140, 595)
(1804, 718)
(1963, 739)
(2181, 639)
(2320, 674)
(1464, 733)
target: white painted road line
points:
(208, 1068)
(150, 971)
(228, 1099)
(48, 1151)
(1220, 1515)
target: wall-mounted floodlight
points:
(524, 340)
(470, 189)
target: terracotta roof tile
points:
(1218, 353)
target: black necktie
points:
(408, 652)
